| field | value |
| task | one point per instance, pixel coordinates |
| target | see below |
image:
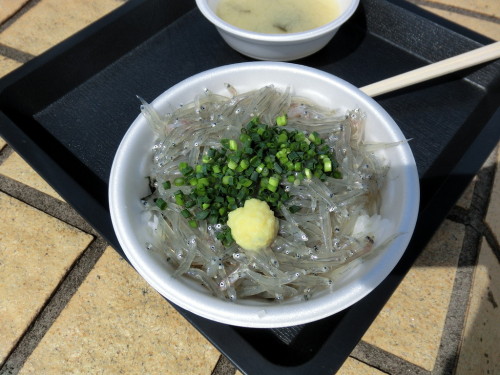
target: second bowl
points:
(277, 47)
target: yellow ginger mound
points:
(253, 226)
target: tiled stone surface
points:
(9, 7)
(7, 65)
(484, 27)
(410, 325)
(117, 324)
(16, 168)
(48, 23)
(480, 351)
(2, 143)
(36, 250)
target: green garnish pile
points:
(253, 166)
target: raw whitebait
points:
(331, 228)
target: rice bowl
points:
(400, 197)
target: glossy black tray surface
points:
(66, 111)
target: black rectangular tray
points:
(66, 111)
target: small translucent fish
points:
(331, 228)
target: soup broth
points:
(278, 16)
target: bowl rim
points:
(277, 38)
(244, 315)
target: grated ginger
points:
(254, 225)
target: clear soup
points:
(278, 16)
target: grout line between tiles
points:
(41, 201)
(385, 361)
(26, 7)
(15, 54)
(5, 152)
(492, 240)
(53, 307)
(224, 367)
(45, 203)
(449, 347)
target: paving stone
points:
(486, 7)
(410, 325)
(116, 323)
(48, 22)
(7, 65)
(2, 143)
(9, 7)
(36, 251)
(354, 367)
(16, 168)
(480, 351)
(484, 27)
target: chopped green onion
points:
(277, 168)
(274, 180)
(315, 138)
(282, 138)
(232, 165)
(308, 173)
(228, 180)
(179, 198)
(281, 120)
(179, 181)
(213, 219)
(202, 215)
(246, 182)
(245, 139)
(161, 204)
(299, 137)
(327, 165)
(190, 203)
(244, 164)
(203, 182)
(233, 145)
(216, 169)
(252, 165)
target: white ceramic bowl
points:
(400, 197)
(277, 47)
